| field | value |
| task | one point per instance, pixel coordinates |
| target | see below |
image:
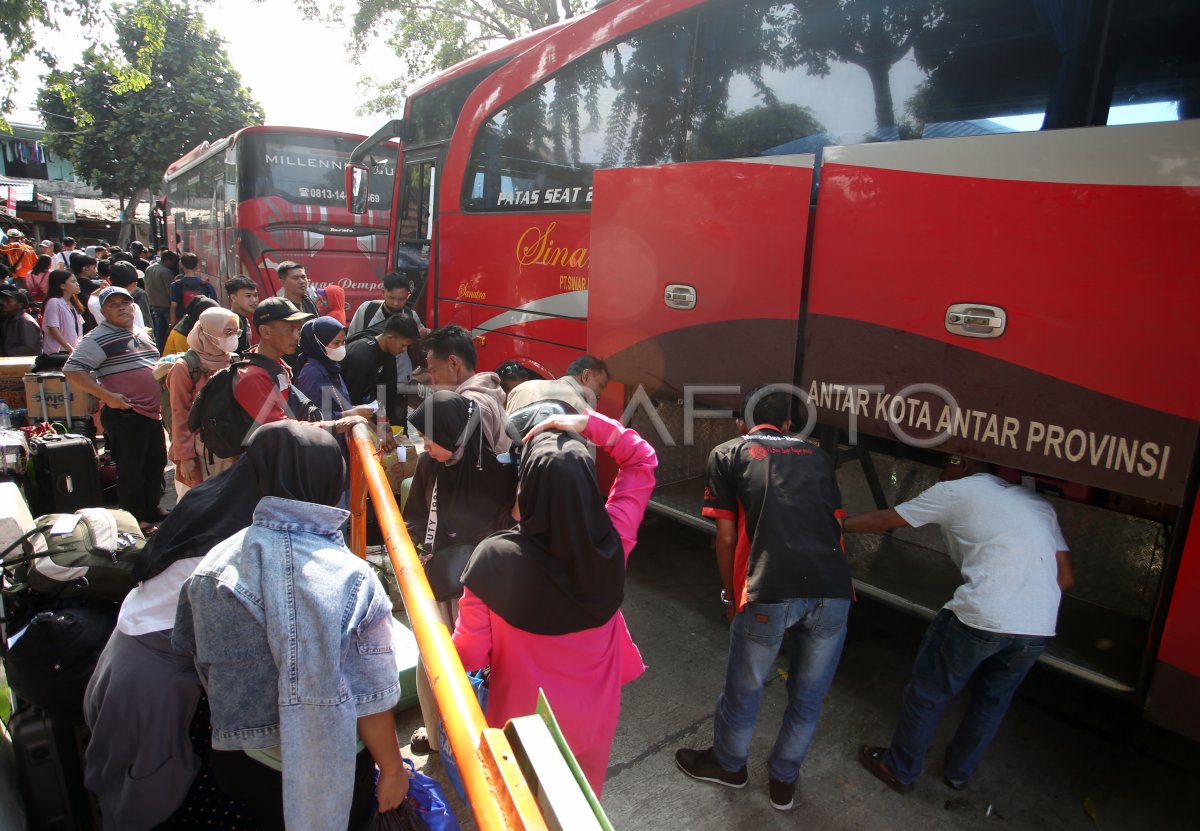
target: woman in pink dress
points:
(542, 602)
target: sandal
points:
(871, 758)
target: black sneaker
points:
(703, 765)
(782, 794)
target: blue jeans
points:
(160, 317)
(818, 631)
(951, 656)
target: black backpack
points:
(372, 309)
(222, 422)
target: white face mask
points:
(336, 354)
(229, 344)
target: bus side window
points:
(618, 106)
(775, 78)
(1156, 63)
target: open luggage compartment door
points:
(694, 298)
(1042, 282)
(1026, 299)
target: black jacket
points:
(20, 336)
(364, 368)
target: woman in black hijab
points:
(542, 602)
(144, 692)
(474, 491)
(283, 613)
(460, 493)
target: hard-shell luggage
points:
(65, 474)
(50, 770)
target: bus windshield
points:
(309, 169)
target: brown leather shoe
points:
(871, 758)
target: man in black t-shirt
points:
(778, 511)
(369, 364)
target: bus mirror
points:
(358, 178)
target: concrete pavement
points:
(1063, 751)
(1066, 757)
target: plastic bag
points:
(404, 818)
(479, 682)
(428, 802)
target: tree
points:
(20, 21)
(428, 35)
(872, 34)
(760, 128)
(121, 139)
(24, 23)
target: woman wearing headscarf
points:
(318, 373)
(144, 693)
(211, 344)
(292, 639)
(331, 301)
(461, 493)
(177, 340)
(542, 602)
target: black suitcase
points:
(66, 474)
(50, 771)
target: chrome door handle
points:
(976, 320)
(679, 296)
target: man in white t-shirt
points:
(1015, 564)
(62, 260)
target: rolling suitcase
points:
(65, 473)
(50, 771)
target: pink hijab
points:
(205, 338)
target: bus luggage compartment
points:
(1021, 299)
(1025, 296)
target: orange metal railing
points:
(496, 789)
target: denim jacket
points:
(292, 639)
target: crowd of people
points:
(215, 604)
(50, 292)
(246, 597)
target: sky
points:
(298, 70)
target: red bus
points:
(958, 228)
(265, 195)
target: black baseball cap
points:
(122, 274)
(278, 308)
(15, 293)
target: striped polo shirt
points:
(122, 360)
